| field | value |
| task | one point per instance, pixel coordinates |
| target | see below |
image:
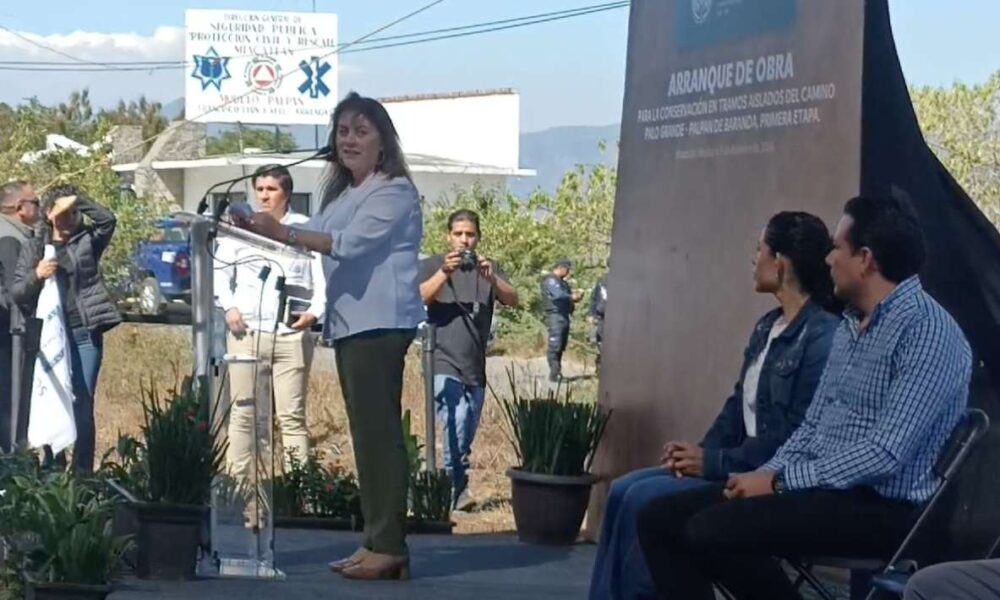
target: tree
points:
(142, 112)
(234, 142)
(962, 126)
(91, 173)
(74, 118)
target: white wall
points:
(434, 187)
(478, 129)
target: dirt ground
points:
(136, 355)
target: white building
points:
(452, 141)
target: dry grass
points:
(134, 353)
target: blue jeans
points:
(620, 570)
(86, 353)
(459, 407)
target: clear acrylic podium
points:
(242, 523)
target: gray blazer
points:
(371, 270)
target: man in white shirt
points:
(246, 289)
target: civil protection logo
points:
(262, 75)
(701, 10)
(211, 69)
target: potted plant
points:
(555, 439)
(60, 539)
(168, 478)
(123, 469)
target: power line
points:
(47, 48)
(178, 63)
(424, 37)
(491, 29)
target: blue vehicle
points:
(164, 267)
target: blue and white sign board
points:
(260, 67)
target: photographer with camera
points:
(459, 289)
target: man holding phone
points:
(247, 289)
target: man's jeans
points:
(459, 407)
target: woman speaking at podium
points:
(369, 230)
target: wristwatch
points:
(778, 483)
(293, 237)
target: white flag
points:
(51, 419)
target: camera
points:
(469, 260)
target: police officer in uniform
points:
(558, 303)
(598, 303)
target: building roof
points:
(55, 142)
(419, 163)
(450, 95)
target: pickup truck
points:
(164, 266)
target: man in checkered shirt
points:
(848, 481)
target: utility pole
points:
(315, 127)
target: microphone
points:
(221, 206)
(282, 299)
(323, 152)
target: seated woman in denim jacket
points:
(781, 367)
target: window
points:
(302, 203)
(175, 234)
(233, 197)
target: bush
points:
(308, 489)
(184, 452)
(58, 530)
(179, 455)
(430, 495)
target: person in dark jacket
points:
(7, 365)
(558, 303)
(18, 214)
(598, 305)
(88, 308)
(782, 365)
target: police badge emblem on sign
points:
(701, 10)
(211, 69)
(699, 23)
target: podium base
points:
(239, 568)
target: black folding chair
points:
(893, 581)
(967, 433)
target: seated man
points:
(848, 480)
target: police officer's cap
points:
(564, 262)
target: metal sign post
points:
(428, 341)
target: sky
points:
(569, 72)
